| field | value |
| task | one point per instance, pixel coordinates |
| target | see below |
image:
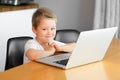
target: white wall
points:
(75, 14)
(13, 23)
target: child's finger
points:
(53, 44)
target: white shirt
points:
(35, 45)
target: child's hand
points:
(50, 48)
(66, 48)
(57, 48)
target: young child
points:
(43, 45)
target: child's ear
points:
(34, 30)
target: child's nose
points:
(49, 31)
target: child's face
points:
(46, 30)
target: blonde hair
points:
(42, 13)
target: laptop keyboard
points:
(63, 62)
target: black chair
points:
(67, 35)
(15, 51)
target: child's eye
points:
(52, 28)
(43, 29)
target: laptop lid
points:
(91, 46)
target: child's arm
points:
(66, 48)
(33, 54)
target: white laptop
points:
(91, 46)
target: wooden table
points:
(108, 69)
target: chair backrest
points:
(15, 51)
(67, 35)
